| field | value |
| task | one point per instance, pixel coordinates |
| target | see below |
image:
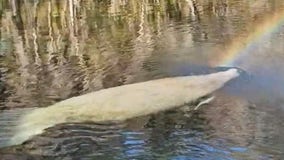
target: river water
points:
(52, 50)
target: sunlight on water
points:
(53, 50)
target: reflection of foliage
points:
(56, 49)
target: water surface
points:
(52, 50)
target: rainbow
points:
(241, 45)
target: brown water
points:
(51, 50)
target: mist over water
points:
(53, 50)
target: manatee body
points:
(122, 102)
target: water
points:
(52, 50)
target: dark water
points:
(51, 50)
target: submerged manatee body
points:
(123, 102)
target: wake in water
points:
(123, 102)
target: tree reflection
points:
(56, 49)
(51, 50)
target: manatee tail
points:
(9, 119)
